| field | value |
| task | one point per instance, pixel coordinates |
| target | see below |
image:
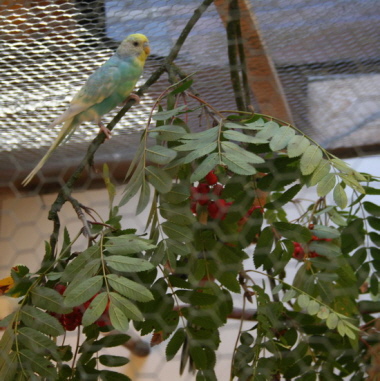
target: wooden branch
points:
(261, 72)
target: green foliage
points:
(216, 221)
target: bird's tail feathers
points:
(67, 129)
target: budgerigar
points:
(109, 86)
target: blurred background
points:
(313, 63)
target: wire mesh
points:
(322, 50)
(325, 52)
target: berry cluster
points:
(73, 319)
(207, 194)
(299, 252)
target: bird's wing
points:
(100, 85)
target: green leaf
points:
(340, 196)
(281, 139)
(372, 208)
(108, 375)
(303, 301)
(322, 231)
(126, 307)
(182, 87)
(310, 159)
(326, 185)
(207, 135)
(160, 154)
(111, 340)
(269, 130)
(111, 360)
(374, 222)
(351, 181)
(352, 235)
(196, 297)
(341, 165)
(178, 194)
(199, 152)
(332, 321)
(175, 343)
(76, 266)
(133, 185)
(263, 248)
(328, 249)
(294, 232)
(323, 313)
(169, 132)
(167, 114)
(205, 167)
(336, 217)
(375, 238)
(6, 344)
(127, 244)
(48, 299)
(95, 309)
(118, 319)
(8, 370)
(41, 321)
(287, 196)
(297, 145)
(244, 138)
(192, 145)
(83, 291)
(374, 284)
(177, 232)
(179, 214)
(320, 172)
(144, 198)
(229, 280)
(129, 288)
(37, 342)
(159, 179)
(238, 167)
(232, 149)
(313, 307)
(39, 364)
(289, 295)
(128, 264)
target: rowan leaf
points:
(159, 179)
(281, 139)
(297, 145)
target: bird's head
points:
(135, 45)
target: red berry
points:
(60, 288)
(202, 195)
(217, 190)
(218, 209)
(298, 252)
(211, 178)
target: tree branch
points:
(232, 27)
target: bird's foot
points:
(133, 96)
(104, 129)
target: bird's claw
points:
(133, 96)
(105, 130)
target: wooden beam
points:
(262, 74)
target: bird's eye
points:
(135, 44)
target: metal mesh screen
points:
(326, 54)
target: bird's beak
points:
(146, 48)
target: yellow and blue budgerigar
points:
(109, 86)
